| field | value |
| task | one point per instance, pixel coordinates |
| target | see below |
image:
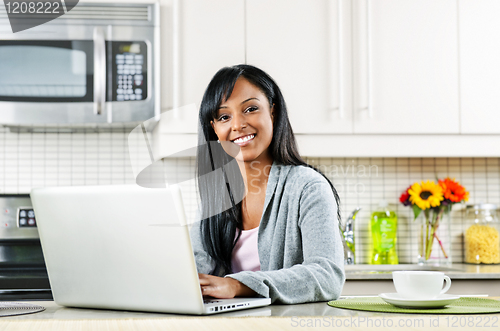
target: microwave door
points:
(55, 74)
(49, 81)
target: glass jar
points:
(481, 236)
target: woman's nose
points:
(238, 122)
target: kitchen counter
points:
(275, 317)
(454, 271)
(365, 279)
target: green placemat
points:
(461, 306)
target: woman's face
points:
(245, 119)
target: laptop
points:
(122, 247)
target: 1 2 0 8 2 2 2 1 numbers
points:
(472, 321)
(32, 7)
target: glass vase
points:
(434, 246)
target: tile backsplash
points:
(30, 160)
(364, 182)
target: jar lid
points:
(483, 206)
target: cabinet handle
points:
(99, 71)
(340, 35)
(175, 58)
(369, 60)
(341, 59)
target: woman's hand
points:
(223, 288)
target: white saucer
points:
(438, 302)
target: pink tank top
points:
(245, 254)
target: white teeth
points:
(244, 139)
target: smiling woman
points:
(246, 119)
(276, 234)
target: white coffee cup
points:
(420, 284)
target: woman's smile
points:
(244, 140)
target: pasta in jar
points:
(482, 244)
(482, 236)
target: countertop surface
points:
(54, 311)
(275, 317)
(315, 316)
(454, 271)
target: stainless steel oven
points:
(98, 63)
(23, 275)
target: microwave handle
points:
(99, 71)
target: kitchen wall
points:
(30, 160)
(364, 182)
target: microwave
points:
(98, 63)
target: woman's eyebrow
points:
(222, 107)
(250, 99)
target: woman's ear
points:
(213, 127)
(272, 113)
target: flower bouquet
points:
(434, 201)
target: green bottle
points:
(384, 226)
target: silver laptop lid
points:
(90, 239)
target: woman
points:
(269, 221)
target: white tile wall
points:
(29, 160)
(365, 182)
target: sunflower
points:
(426, 195)
(453, 191)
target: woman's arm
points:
(204, 263)
(321, 275)
(218, 287)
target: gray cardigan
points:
(300, 251)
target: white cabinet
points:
(366, 73)
(405, 66)
(206, 36)
(364, 66)
(304, 46)
(199, 38)
(479, 66)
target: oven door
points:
(23, 273)
(75, 74)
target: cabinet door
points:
(304, 46)
(210, 36)
(405, 68)
(479, 28)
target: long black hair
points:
(219, 179)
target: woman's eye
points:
(251, 109)
(223, 118)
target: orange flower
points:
(453, 191)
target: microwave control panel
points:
(129, 71)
